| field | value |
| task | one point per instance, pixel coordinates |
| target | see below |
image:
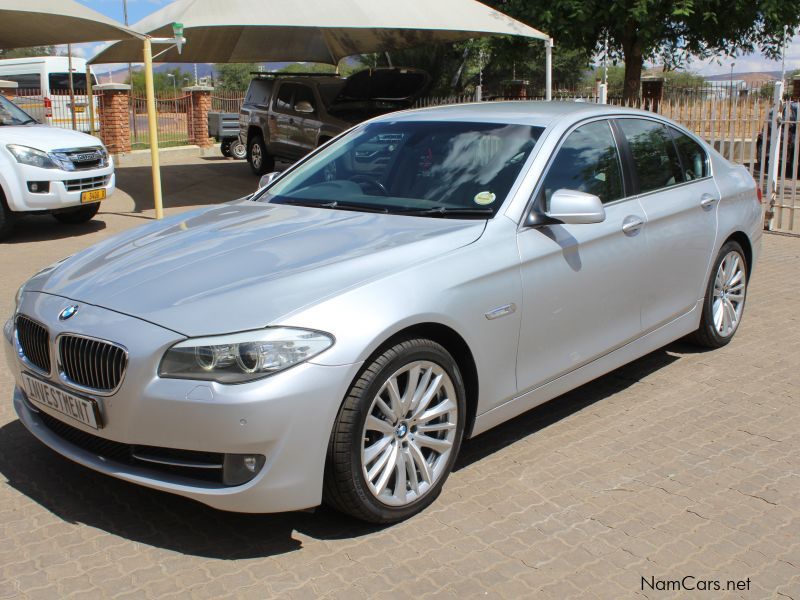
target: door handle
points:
(632, 225)
(707, 201)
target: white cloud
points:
(749, 62)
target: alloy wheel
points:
(409, 433)
(729, 294)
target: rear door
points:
(310, 123)
(581, 283)
(680, 200)
(283, 123)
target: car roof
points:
(523, 112)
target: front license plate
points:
(79, 409)
(79, 109)
(93, 195)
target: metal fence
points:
(172, 110)
(57, 108)
(227, 101)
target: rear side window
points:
(283, 102)
(587, 161)
(654, 155)
(693, 157)
(59, 82)
(26, 81)
(259, 92)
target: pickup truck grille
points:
(87, 183)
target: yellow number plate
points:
(80, 109)
(93, 195)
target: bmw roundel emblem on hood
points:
(68, 312)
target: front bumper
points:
(287, 417)
(64, 190)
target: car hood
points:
(46, 138)
(245, 264)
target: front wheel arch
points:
(458, 348)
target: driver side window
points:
(588, 162)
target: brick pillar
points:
(796, 87)
(197, 115)
(115, 120)
(8, 88)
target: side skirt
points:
(654, 340)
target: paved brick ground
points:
(683, 463)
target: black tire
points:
(346, 488)
(708, 335)
(259, 159)
(238, 150)
(79, 214)
(225, 148)
(6, 219)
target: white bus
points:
(44, 89)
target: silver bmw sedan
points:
(420, 279)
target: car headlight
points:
(242, 357)
(32, 157)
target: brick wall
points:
(115, 125)
(197, 119)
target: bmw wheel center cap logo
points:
(68, 312)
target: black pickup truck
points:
(286, 115)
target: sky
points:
(137, 9)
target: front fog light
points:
(238, 469)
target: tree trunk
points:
(634, 61)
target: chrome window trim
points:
(66, 381)
(522, 225)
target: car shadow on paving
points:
(79, 495)
(39, 228)
(195, 184)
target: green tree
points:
(26, 52)
(234, 76)
(666, 30)
(164, 82)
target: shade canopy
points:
(323, 31)
(26, 23)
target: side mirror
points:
(267, 179)
(304, 107)
(574, 207)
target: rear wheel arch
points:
(741, 238)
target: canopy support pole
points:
(90, 96)
(548, 69)
(152, 123)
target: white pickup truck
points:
(49, 170)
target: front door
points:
(581, 283)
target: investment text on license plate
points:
(74, 407)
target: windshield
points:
(11, 114)
(414, 167)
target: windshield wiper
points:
(337, 205)
(445, 211)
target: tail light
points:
(48, 107)
(759, 194)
